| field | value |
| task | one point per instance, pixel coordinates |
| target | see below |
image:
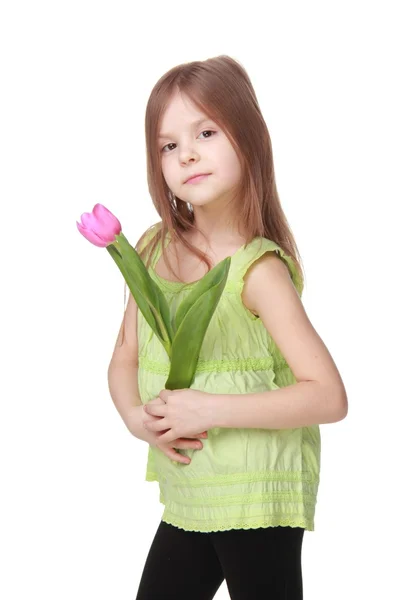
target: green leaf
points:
(149, 287)
(134, 263)
(143, 298)
(192, 320)
(216, 275)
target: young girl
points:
(238, 502)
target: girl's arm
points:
(123, 374)
(123, 386)
(319, 396)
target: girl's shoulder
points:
(259, 251)
(148, 235)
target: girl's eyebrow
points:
(194, 124)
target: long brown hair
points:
(221, 88)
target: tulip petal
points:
(107, 221)
(88, 220)
(100, 226)
(90, 235)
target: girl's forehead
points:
(181, 108)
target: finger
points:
(184, 444)
(174, 455)
(155, 400)
(169, 436)
(155, 426)
(151, 419)
(185, 460)
(157, 410)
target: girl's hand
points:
(183, 413)
(168, 448)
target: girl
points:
(236, 504)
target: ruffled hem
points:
(302, 517)
(211, 526)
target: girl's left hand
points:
(185, 413)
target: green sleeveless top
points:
(241, 478)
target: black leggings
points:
(256, 563)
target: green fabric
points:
(242, 478)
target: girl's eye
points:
(163, 149)
(172, 144)
(207, 131)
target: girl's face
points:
(188, 148)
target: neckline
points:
(179, 284)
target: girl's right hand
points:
(169, 448)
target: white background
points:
(77, 517)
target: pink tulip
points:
(100, 226)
